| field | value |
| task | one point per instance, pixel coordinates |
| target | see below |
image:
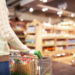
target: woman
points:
(7, 35)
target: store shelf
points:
(57, 27)
(58, 37)
(48, 27)
(71, 44)
(31, 33)
(30, 45)
(52, 53)
(53, 33)
(71, 37)
(18, 30)
(61, 44)
(48, 37)
(48, 45)
(19, 27)
(21, 36)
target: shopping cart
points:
(30, 65)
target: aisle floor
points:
(62, 69)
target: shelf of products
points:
(51, 38)
(30, 37)
(19, 28)
(20, 34)
(48, 42)
(49, 48)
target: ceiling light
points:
(31, 10)
(44, 9)
(21, 19)
(40, 0)
(72, 15)
(44, 1)
(59, 13)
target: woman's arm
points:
(7, 31)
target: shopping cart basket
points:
(30, 65)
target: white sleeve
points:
(6, 30)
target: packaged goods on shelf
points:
(30, 37)
(70, 47)
(47, 24)
(30, 41)
(52, 37)
(44, 31)
(18, 27)
(49, 48)
(62, 55)
(49, 42)
(19, 30)
(60, 48)
(31, 29)
(49, 35)
(71, 41)
(61, 42)
(56, 35)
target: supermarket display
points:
(53, 37)
(54, 41)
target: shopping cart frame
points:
(34, 57)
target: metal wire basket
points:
(31, 65)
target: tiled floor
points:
(62, 69)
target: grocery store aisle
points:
(62, 69)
